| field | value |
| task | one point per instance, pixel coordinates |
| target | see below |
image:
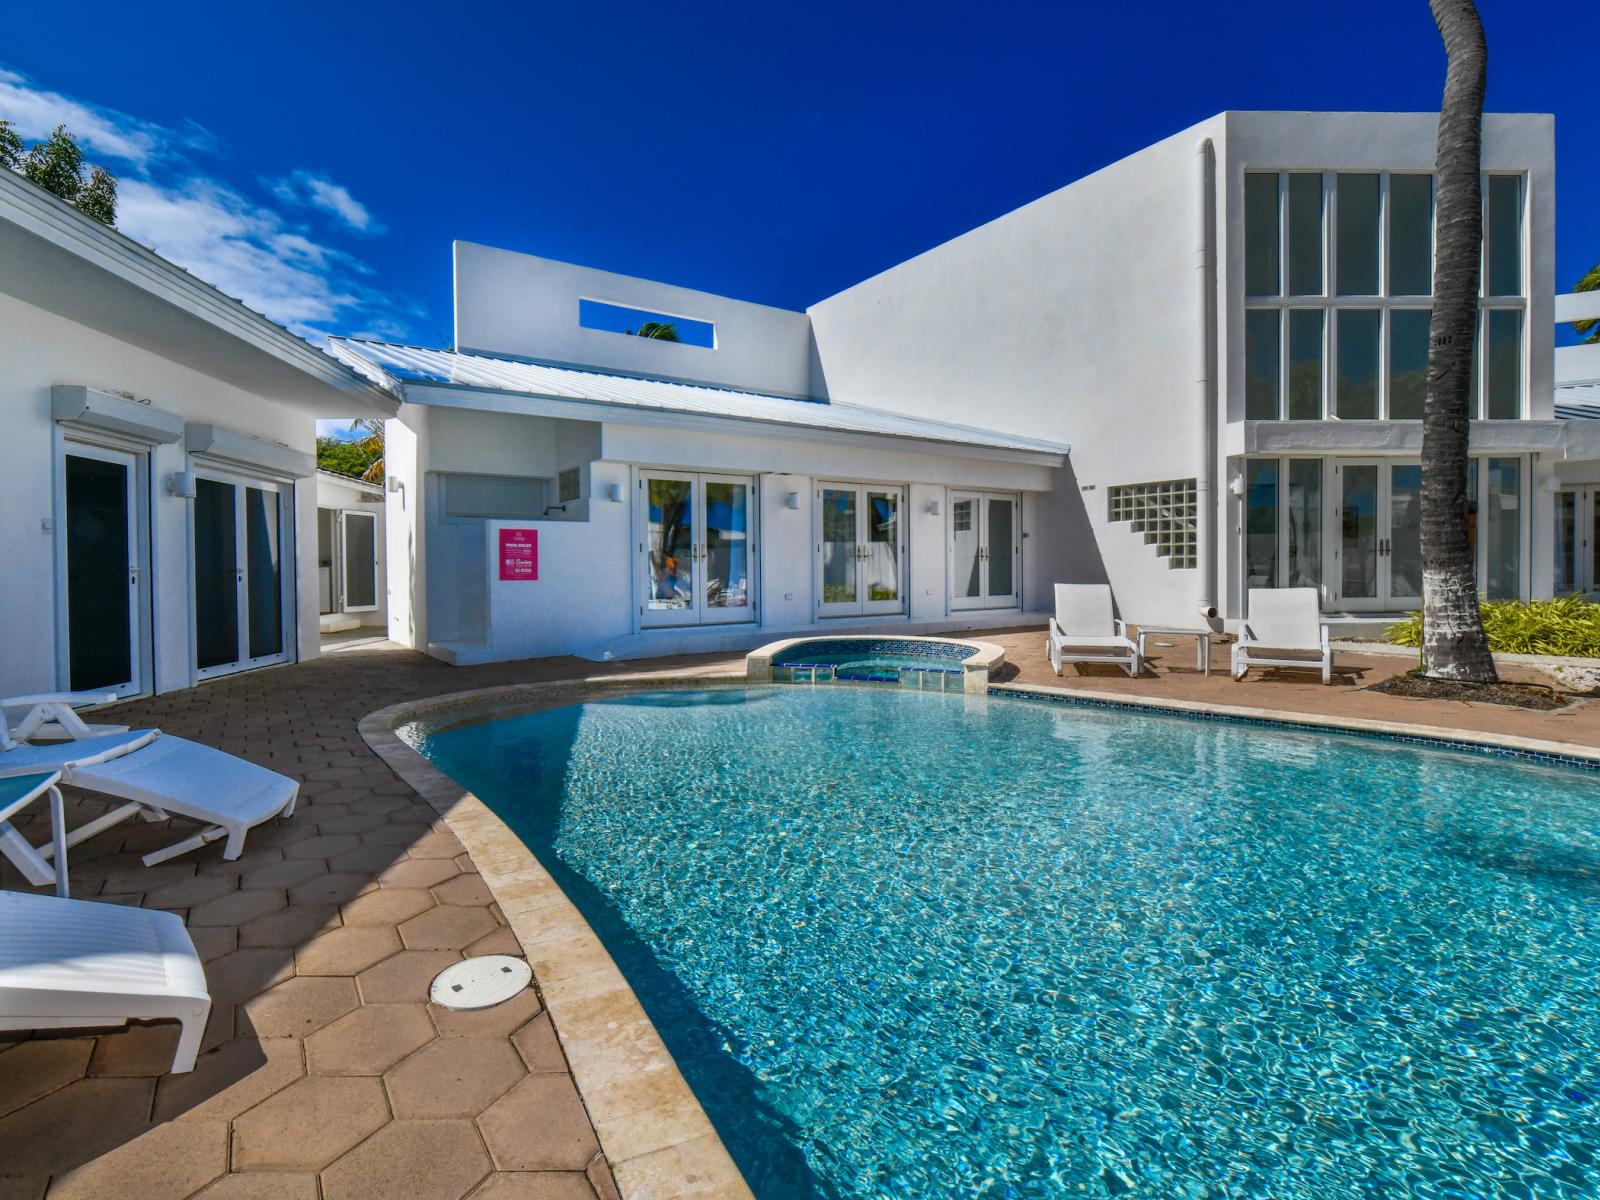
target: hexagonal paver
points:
(446, 928)
(464, 889)
(498, 1021)
(167, 1162)
(369, 1040)
(37, 1068)
(421, 1160)
(262, 1185)
(186, 893)
(284, 873)
(74, 1124)
(417, 873)
(244, 973)
(539, 1125)
(500, 941)
(237, 907)
(347, 951)
(308, 1124)
(371, 859)
(324, 845)
(399, 833)
(440, 843)
(536, 1185)
(387, 906)
(213, 941)
(298, 1007)
(289, 927)
(453, 1077)
(403, 978)
(137, 1049)
(356, 822)
(236, 1076)
(331, 889)
(536, 1042)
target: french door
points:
(105, 650)
(985, 550)
(1380, 535)
(697, 549)
(241, 541)
(358, 543)
(861, 549)
(1577, 542)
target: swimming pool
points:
(915, 661)
(905, 944)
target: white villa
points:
(1196, 371)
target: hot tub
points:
(937, 664)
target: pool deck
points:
(325, 1072)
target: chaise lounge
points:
(1283, 628)
(1084, 630)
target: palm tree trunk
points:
(1453, 642)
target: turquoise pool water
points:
(875, 660)
(912, 945)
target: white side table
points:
(1202, 642)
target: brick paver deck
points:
(325, 1071)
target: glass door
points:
(1380, 536)
(725, 561)
(240, 546)
(698, 549)
(1577, 542)
(985, 550)
(1402, 548)
(359, 553)
(104, 651)
(861, 549)
(1358, 535)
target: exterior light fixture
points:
(792, 500)
(933, 508)
(181, 484)
(614, 493)
(1236, 485)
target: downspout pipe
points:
(1205, 382)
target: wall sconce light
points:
(933, 508)
(181, 484)
(1236, 485)
(792, 500)
(395, 483)
(614, 493)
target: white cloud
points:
(308, 189)
(281, 267)
(101, 131)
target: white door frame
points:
(714, 614)
(697, 611)
(136, 462)
(861, 604)
(1586, 544)
(288, 608)
(342, 562)
(981, 500)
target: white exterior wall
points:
(521, 305)
(356, 496)
(42, 350)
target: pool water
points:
(913, 945)
(873, 658)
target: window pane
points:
(360, 561)
(1503, 570)
(1261, 234)
(1357, 391)
(1410, 235)
(1408, 363)
(216, 574)
(669, 544)
(1261, 523)
(1305, 234)
(727, 551)
(1305, 522)
(1305, 364)
(1566, 543)
(1261, 365)
(263, 585)
(1504, 351)
(1358, 235)
(99, 558)
(1503, 236)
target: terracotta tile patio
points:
(326, 1072)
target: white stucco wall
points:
(343, 495)
(42, 350)
(520, 304)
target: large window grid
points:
(1337, 329)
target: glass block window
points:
(1167, 513)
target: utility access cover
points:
(475, 983)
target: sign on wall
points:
(519, 554)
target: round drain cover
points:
(480, 982)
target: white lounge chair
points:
(1083, 630)
(158, 776)
(1283, 628)
(71, 964)
(52, 716)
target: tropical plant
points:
(1454, 646)
(1567, 625)
(1589, 283)
(662, 331)
(56, 164)
(371, 444)
(342, 456)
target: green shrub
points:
(1568, 626)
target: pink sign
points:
(519, 554)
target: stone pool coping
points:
(651, 1127)
(976, 667)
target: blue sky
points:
(317, 160)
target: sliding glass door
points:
(696, 555)
(1380, 535)
(358, 539)
(1577, 565)
(241, 535)
(985, 550)
(861, 549)
(102, 551)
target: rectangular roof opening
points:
(642, 322)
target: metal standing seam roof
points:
(394, 366)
